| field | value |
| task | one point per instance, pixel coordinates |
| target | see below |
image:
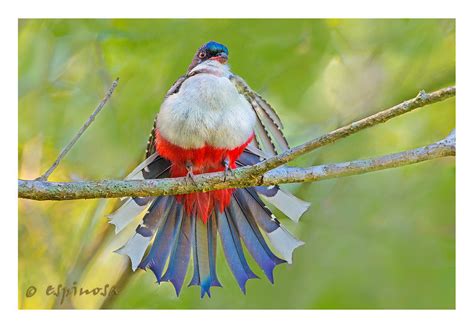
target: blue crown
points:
(215, 48)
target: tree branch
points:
(442, 148)
(43, 190)
(263, 173)
(421, 100)
(89, 121)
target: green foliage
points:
(381, 240)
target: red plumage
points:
(204, 160)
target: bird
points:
(210, 121)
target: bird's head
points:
(210, 51)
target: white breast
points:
(206, 110)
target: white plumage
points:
(208, 109)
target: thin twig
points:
(42, 190)
(89, 121)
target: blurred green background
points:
(379, 240)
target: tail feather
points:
(233, 250)
(153, 167)
(125, 214)
(165, 237)
(286, 202)
(253, 238)
(180, 256)
(212, 245)
(136, 246)
(291, 206)
(137, 173)
(283, 241)
(157, 169)
(204, 255)
(135, 249)
(254, 205)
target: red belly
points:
(204, 160)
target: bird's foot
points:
(227, 169)
(190, 175)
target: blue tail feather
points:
(259, 211)
(233, 250)
(212, 233)
(204, 255)
(164, 239)
(180, 254)
(253, 238)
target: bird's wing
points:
(175, 87)
(268, 132)
(150, 146)
(269, 127)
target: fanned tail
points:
(175, 234)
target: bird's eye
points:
(202, 54)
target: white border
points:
(238, 8)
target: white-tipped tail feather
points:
(137, 173)
(284, 242)
(125, 214)
(135, 249)
(290, 205)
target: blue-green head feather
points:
(215, 48)
(211, 50)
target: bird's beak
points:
(221, 58)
